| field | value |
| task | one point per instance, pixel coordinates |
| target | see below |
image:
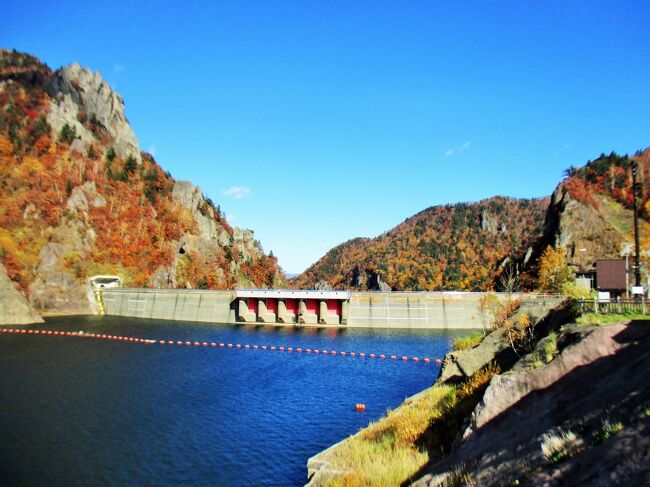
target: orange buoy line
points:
(236, 346)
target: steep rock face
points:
(584, 231)
(14, 308)
(58, 286)
(76, 89)
(192, 198)
(214, 239)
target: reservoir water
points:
(77, 411)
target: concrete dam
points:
(442, 310)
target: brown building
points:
(611, 276)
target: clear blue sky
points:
(333, 120)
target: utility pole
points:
(635, 191)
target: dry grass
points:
(385, 453)
(459, 477)
(560, 446)
(468, 341)
(394, 448)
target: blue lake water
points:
(77, 411)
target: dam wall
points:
(171, 304)
(404, 310)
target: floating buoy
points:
(360, 407)
(81, 334)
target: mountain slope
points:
(495, 243)
(463, 246)
(590, 214)
(77, 197)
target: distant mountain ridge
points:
(495, 243)
(460, 246)
(78, 198)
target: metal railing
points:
(615, 306)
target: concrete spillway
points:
(326, 308)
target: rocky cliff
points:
(14, 308)
(590, 212)
(79, 198)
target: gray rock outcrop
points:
(489, 223)
(14, 308)
(581, 229)
(56, 287)
(192, 198)
(75, 88)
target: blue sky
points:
(316, 122)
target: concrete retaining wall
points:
(446, 310)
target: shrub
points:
(521, 334)
(550, 347)
(68, 134)
(607, 430)
(110, 155)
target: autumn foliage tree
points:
(554, 272)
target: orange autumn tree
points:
(554, 272)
